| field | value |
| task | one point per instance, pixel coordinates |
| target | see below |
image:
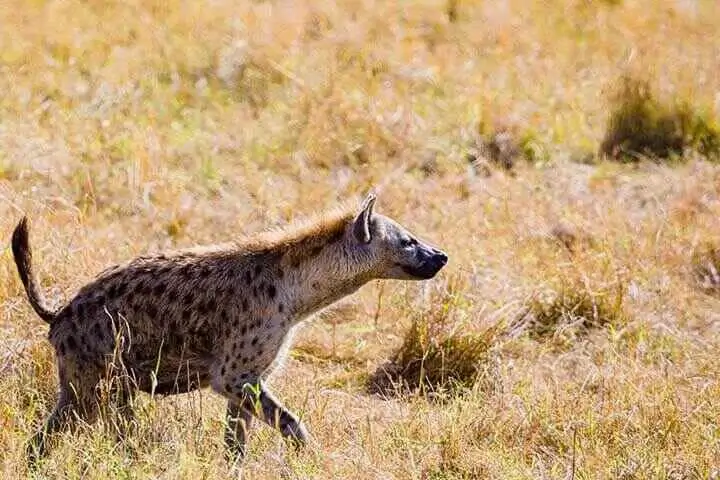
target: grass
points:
(504, 146)
(706, 267)
(572, 311)
(131, 127)
(438, 355)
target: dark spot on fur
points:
(159, 289)
(315, 251)
(241, 345)
(280, 273)
(248, 277)
(172, 295)
(258, 269)
(272, 291)
(281, 307)
(227, 388)
(61, 348)
(186, 315)
(245, 305)
(222, 371)
(211, 305)
(205, 272)
(233, 366)
(295, 263)
(254, 341)
(189, 299)
(71, 343)
(227, 358)
(186, 271)
(243, 330)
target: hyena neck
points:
(326, 278)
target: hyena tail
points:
(23, 260)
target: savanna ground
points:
(579, 312)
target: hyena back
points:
(215, 316)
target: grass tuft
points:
(562, 316)
(571, 238)
(641, 125)
(706, 267)
(438, 354)
(504, 146)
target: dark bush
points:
(640, 125)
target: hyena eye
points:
(408, 242)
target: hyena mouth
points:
(425, 271)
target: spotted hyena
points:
(216, 316)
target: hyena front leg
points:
(238, 424)
(275, 414)
(249, 392)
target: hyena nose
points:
(441, 257)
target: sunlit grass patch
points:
(643, 125)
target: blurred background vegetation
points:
(564, 154)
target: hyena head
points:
(395, 252)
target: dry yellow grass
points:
(135, 126)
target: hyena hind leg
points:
(122, 412)
(64, 416)
(76, 402)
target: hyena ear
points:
(361, 228)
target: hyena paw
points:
(297, 432)
(235, 452)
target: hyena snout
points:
(428, 262)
